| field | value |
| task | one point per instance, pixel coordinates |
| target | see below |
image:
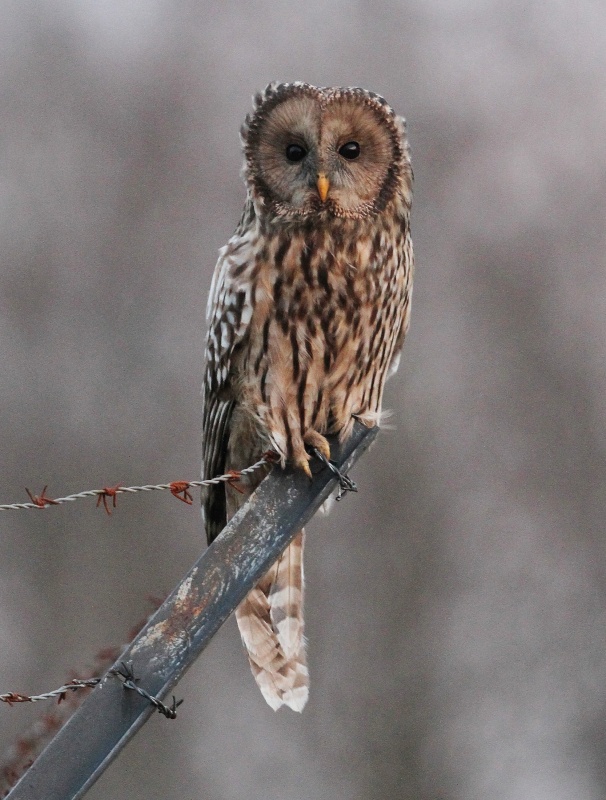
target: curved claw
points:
(303, 463)
(316, 441)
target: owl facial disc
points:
(332, 152)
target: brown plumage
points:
(308, 309)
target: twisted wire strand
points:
(16, 697)
(175, 487)
(128, 681)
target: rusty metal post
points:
(178, 632)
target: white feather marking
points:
(393, 367)
(226, 336)
(286, 598)
(246, 314)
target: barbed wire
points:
(129, 681)
(185, 623)
(124, 673)
(29, 744)
(10, 698)
(179, 489)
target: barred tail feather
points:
(270, 619)
(286, 598)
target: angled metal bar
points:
(178, 632)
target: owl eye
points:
(294, 153)
(350, 150)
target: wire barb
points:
(127, 676)
(236, 476)
(109, 491)
(345, 482)
(41, 500)
(179, 489)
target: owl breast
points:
(329, 309)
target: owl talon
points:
(303, 463)
(316, 441)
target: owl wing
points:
(408, 260)
(228, 314)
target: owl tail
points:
(270, 619)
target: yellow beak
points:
(323, 186)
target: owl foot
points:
(316, 441)
(317, 444)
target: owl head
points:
(325, 152)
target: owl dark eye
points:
(350, 150)
(294, 153)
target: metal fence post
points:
(178, 632)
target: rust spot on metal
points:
(173, 630)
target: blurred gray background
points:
(456, 606)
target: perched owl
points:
(308, 309)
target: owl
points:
(308, 309)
